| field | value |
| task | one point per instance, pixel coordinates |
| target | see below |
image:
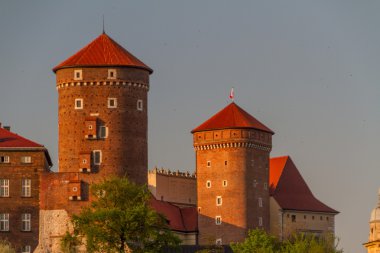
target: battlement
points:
(167, 172)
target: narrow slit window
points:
(224, 183)
(218, 220)
(78, 74)
(208, 184)
(111, 74)
(112, 103)
(78, 103)
(219, 200)
(140, 105)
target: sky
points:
(309, 70)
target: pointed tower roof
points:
(232, 116)
(290, 190)
(103, 51)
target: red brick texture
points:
(241, 158)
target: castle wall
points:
(232, 164)
(175, 187)
(284, 223)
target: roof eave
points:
(55, 69)
(223, 128)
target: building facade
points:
(373, 244)
(22, 161)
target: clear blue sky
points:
(309, 70)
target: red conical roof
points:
(232, 116)
(103, 51)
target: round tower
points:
(232, 159)
(373, 244)
(102, 111)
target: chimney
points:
(7, 128)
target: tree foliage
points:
(258, 241)
(120, 220)
(6, 247)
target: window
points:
(112, 103)
(97, 157)
(265, 186)
(26, 185)
(26, 249)
(26, 159)
(260, 221)
(103, 132)
(140, 105)
(218, 220)
(208, 184)
(4, 221)
(4, 187)
(321, 218)
(293, 218)
(78, 103)
(224, 183)
(304, 217)
(225, 162)
(208, 163)
(25, 221)
(90, 127)
(4, 159)
(78, 74)
(260, 202)
(218, 241)
(219, 200)
(111, 74)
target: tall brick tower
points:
(232, 159)
(102, 114)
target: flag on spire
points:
(232, 94)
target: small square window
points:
(78, 74)
(111, 74)
(218, 220)
(26, 159)
(112, 103)
(78, 103)
(4, 159)
(219, 200)
(224, 183)
(103, 132)
(208, 163)
(97, 157)
(140, 105)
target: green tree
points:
(6, 247)
(308, 243)
(120, 220)
(258, 241)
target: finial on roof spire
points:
(103, 25)
(232, 94)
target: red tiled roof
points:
(12, 140)
(232, 116)
(103, 51)
(290, 190)
(180, 219)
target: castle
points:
(102, 120)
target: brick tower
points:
(102, 114)
(232, 159)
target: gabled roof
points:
(12, 140)
(232, 116)
(9, 140)
(183, 219)
(103, 51)
(290, 190)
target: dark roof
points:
(232, 116)
(103, 51)
(9, 140)
(290, 190)
(183, 219)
